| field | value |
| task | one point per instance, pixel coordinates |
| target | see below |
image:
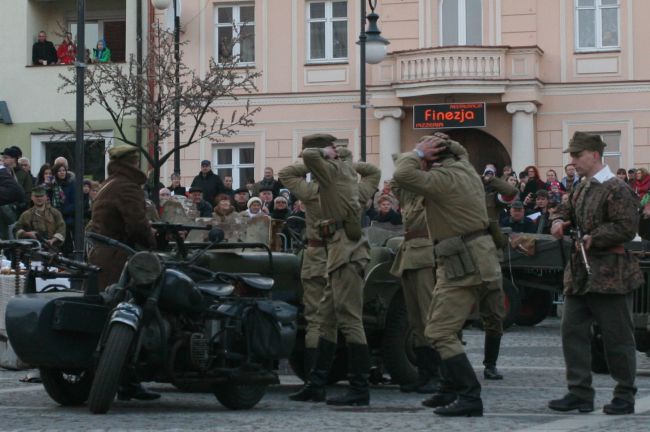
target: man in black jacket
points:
(208, 182)
(10, 157)
(268, 182)
(43, 51)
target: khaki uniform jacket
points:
(455, 206)
(315, 258)
(415, 253)
(47, 221)
(608, 212)
(370, 176)
(339, 199)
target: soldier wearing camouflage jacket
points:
(605, 210)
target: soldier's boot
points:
(314, 388)
(446, 393)
(358, 393)
(491, 354)
(468, 402)
(428, 363)
(310, 360)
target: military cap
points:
(584, 141)
(517, 205)
(39, 190)
(120, 152)
(317, 141)
(12, 152)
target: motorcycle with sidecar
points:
(166, 320)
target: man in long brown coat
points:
(605, 211)
(119, 213)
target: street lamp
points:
(372, 50)
(163, 5)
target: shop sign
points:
(449, 116)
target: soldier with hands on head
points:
(466, 260)
(347, 254)
(42, 222)
(498, 193)
(603, 211)
(313, 273)
(414, 265)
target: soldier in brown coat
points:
(414, 265)
(466, 260)
(604, 210)
(497, 193)
(119, 213)
(347, 254)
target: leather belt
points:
(410, 235)
(316, 243)
(474, 235)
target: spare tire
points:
(535, 307)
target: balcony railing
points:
(479, 63)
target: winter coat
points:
(210, 184)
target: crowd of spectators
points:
(44, 53)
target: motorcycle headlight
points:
(144, 268)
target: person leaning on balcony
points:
(101, 54)
(43, 51)
(600, 288)
(67, 51)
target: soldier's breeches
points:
(313, 290)
(418, 292)
(342, 305)
(492, 308)
(612, 313)
(450, 308)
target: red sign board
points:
(449, 116)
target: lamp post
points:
(80, 65)
(372, 49)
(163, 5)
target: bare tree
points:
(115, 87)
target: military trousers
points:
(341, 307)
(492, 308)
(312, 292)
(450, 308)
(418, 291)
(613, 314)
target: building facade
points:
(542, 68)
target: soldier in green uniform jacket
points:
(497, 191)
(347, 254)
(313, 274)
(414, 265)
(41, 222)
(466, 260)
(604, 210)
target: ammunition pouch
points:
(455, 258)
(327, 227)
(352, 227)
(500, 240)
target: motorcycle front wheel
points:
(239, 396)
(109, 370)
(68, 388)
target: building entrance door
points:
(482, 147)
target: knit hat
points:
(252, 200)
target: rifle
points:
(577, 236)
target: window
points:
(597, 24)
(612, 154)
(235, 33)
(113, 32)
(236, 161)
(327, 28)
(461, 22)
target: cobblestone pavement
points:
(531, 361)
